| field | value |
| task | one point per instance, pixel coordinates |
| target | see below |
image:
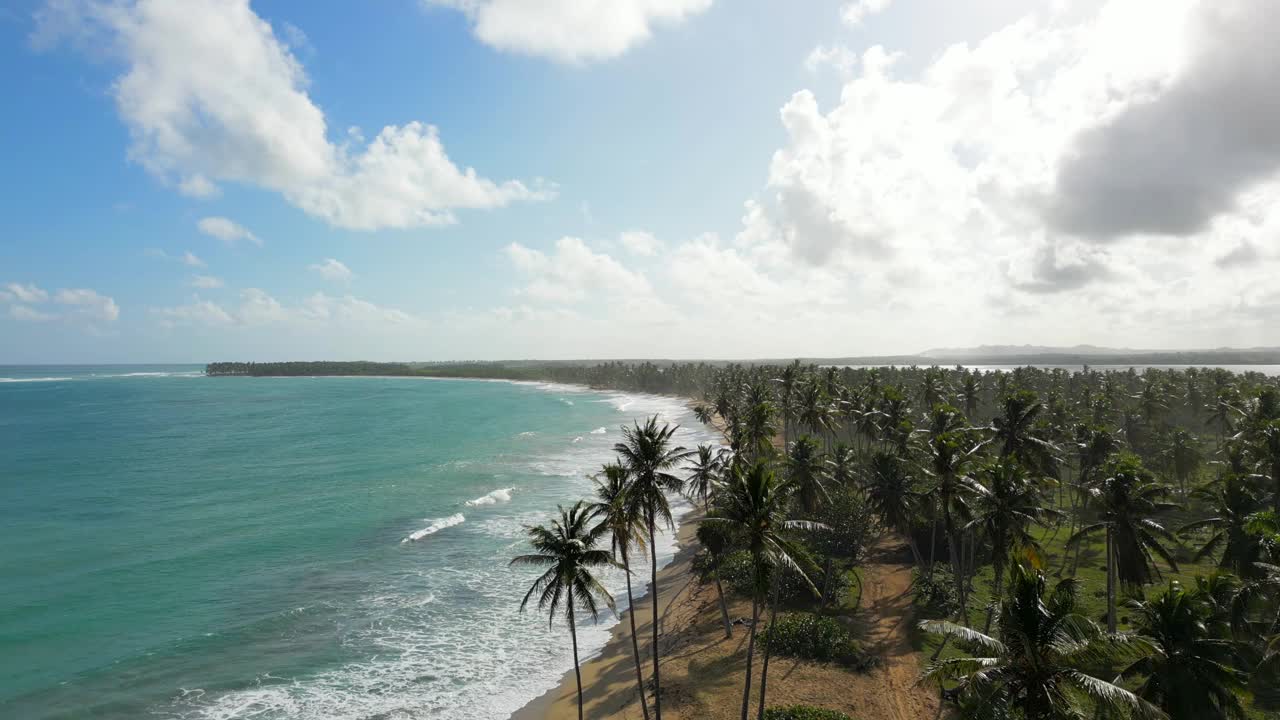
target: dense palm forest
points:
(1086, 544)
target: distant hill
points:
(990, 351)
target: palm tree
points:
(568, 550)
(649, 455)
(1034, 669)
(1182, 455)
(787, 380)
(1266, 448)
(704, 474)
(842, 467)
(807, 474)
(1126, 500)
(949, 463)
(624, 521)
(1015, 430)
(1232, 503)
(755, 504)
(971, 393)
(756, 427)
(716, 540)
(892, 495)
(1006, 508)
(1190, 673)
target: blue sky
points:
(677, 178)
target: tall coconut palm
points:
(1190, 673)
(755, 504)
(971, 394)
(567, 548)
(1005, 509)
(1126, 500)
(949, 461)
(787, 380)
(842, 467)
(623, 519)
(1034, 671)
(1015, 431)
(1231, 503)
(649, 454)
(1266, 448)
(1182, 456)
(806, 474)
(892, 495)
(716, 539)
(704, 475)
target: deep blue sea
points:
(180, 546)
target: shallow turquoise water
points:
(189, 547)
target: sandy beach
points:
(702, 671)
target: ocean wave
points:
(493, 498)
(566, 401)
(192, 373)
(34, 379)
(577, 439)
(435, 527)
(528, 433)
(599, 431)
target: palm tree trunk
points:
(577, 671)
(635, 644)
(764, 669)
(715, 571)
(999, 563)
(933, 544)
(751, 647)
(653, 577)
(826, 583)
(1111, 584)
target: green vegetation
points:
(1109, 541)
(568, 550)
(815, 637)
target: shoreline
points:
(673, 578)
(618, 647)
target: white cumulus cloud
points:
(211, 94)
(226, 230)
(571, 30)
(331, 269)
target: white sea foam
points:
(435, 527)
(577, 439)
(599, 431)
(528, 433)
(433, 657)
(34, 379)
(501, 495)
(566, 401)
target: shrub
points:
(935, 596)
(849, 527)
(814, 637)
(735, 573)
(803, 712)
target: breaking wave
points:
(435, 527)
(500, 495)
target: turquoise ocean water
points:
(177, 546)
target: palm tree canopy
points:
(1034, 668)
(755, 504)
(1190, 673)
(616, 511)
(567, 549)
(649, 455)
